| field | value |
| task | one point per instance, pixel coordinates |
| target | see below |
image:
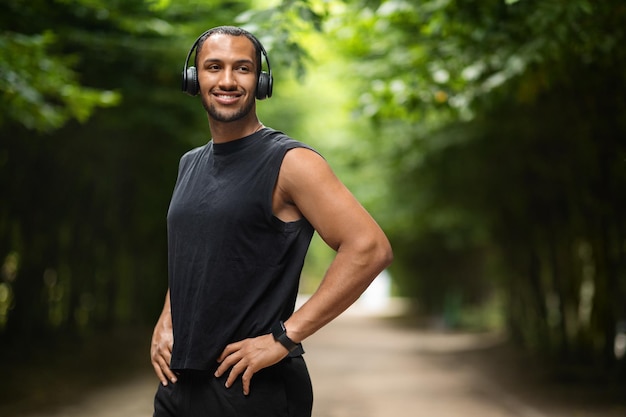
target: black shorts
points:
(282, 390)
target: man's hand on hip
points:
(247, 357)
(161, 350)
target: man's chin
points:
(226, 117)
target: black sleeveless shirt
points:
(234, 268)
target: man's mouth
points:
(227, 98)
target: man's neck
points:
(222, 132)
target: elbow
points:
(385, 254)
(372, 253)
(379, 254)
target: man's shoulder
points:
(190, 157)
(195, 152)
(284, 141)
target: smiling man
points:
(241, 217)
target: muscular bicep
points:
(307, 181)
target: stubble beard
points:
(225, 117)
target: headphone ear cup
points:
(270, 85)
(190, 81)
(264, 86)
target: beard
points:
(225, 117)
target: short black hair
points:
(232, 31)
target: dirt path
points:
(371, 368)
(367, 367)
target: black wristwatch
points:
(280, 334)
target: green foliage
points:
(441, 58)
(40, 86)
(86, 190)
(280, 28)
(93, 125)
(502, 123)
(40, 90)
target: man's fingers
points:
(246, 378)
(228, 350)
(226, 362)
(237, 370)
(247, 357)
(159, 373)
(161, 346)
(170, 375)
(246, 370)
(161, 365)
(166, 356)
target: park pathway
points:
(364, 366)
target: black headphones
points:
(265, 83)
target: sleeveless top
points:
(234, 268)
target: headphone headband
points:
(265, 82)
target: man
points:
(241, 218)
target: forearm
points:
(348, 276)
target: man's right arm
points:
(161, 346)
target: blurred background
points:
(488, 139)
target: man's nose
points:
(228, 79)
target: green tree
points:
(82, 227)
(82, 222)
(502, 121)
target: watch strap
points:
(279, 332)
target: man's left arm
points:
(362, 252)
(362, 249)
